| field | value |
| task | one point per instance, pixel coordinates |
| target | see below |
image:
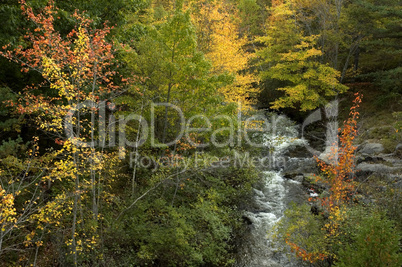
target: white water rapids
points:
(271, 200)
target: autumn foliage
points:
(218, 23)
(89, 174)
(77, 68)
(338, 175)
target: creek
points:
(272, 197)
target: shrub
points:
(371, 240)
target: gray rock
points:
(298, 152)
(394, 161)
(367, 158)
(377, 168)
(296, 166)
(398, 150)
(294, 176)
(371, 148)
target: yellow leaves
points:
(293, 57)
(7, 210)
(69, 65)
(225, 49)
(337, 176)
(310, 81)
(256, 125)
(81, 42)
(57, 78)
(29, 237)
(52, 212)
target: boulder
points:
(371, 148)
(300, 151)
(298, 177)
(398, 150)
(367, 158)
(377, 168)
(297, 166)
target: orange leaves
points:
(339, 176)
(77, 68)
(59, 141)
(303, 254)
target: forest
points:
(132, 132)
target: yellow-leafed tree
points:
(218, 25)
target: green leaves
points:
(303, 232)
(371, 240)
(308, 82)
(191, 221)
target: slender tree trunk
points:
(165, 119)
(168, 96)
(76, 196)
(75, 210)
(136, 145)
(92, 169)
(357, 55)
(338, 6)
(1, 242)
(93, 152)
(352, 51)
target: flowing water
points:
(272, 197)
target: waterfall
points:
(271, 199)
